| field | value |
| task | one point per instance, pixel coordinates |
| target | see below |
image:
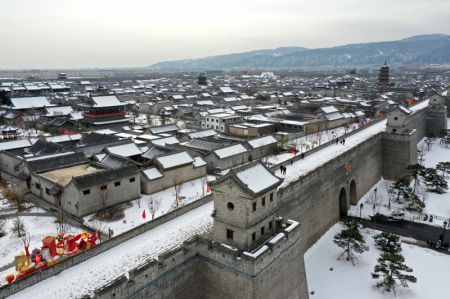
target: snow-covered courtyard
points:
(431, 268)
(160, 202)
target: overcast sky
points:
(127, 33)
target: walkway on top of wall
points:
(304, 166)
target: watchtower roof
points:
(255, 178)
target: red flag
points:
(208, 189)
(347, 167)
(144, 215)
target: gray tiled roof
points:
(104, 177)
(51, 163)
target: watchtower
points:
(245, 202)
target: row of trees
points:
(390, 267)
(434, 179)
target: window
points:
(262, 230)
(217, 120)
(394, 130)
(132, 180)
(86, 192)
(396, 118)
(47, 191)
(254, 206)
(230, 234)
(270, 225)
(253, 236)
(117, 184)
(263, 201)
(38, 186)
(230, 206)
(271, 197)
(103, 187)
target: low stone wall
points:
(40, 275)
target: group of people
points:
(342, 141)
(283, 169)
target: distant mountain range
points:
(416, 50)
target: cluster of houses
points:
(96, 153)
(88, 172)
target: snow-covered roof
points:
(30, 102)
(257, 178)
(230, 151)
(199, 162)
(125, 150)
(152, 173)
(164, 141)
(206, 102)
(329, 109)
(226, 90)
(63, 138)
(333, 116)
(107, 101)
(175, 160)
(17, 144)
(205, 133)
(106, 132)
(55, 111)
(259, 142)
(404, 109)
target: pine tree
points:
(391, 268)
(444, 168)
(400, 188)
(416, 170)
(434, 181)
(413, 200)
(351, 240)
(388, 242)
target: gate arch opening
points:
(353, 194)
(343, 203)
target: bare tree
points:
(177, 187)
(204, 181)
(18, 229)
(2, 227)
(153, 205)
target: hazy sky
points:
(113, 33)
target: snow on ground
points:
(436, 204)
(82, 279)
(190, 191)
(308, 142)
(311, 162)
(431, 268)
(37, 227)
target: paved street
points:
(418, 231)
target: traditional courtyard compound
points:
(253, 228)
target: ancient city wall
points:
(314, 198)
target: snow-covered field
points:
(37, 228)
(84, 278)
(190, 191)
(431, 268)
